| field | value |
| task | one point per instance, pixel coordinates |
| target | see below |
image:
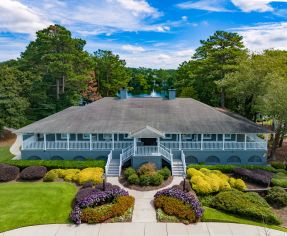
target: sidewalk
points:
(145, 229)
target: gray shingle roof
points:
(112, 115)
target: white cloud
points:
(207, 5)
(255, 5)
(132, 49)
(19, 18)
(265, 36)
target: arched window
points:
(191, 160)
(79, 158)
(34, 158)
(255, 159)
(57, 158)
(234, 159)
(212, 160)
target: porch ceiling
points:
(147, 132)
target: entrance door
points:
(149, 141)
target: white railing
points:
(58, 145)
(165, 152)
(147, 150)
(127, 153)
(122, 144)
(110, 156)
(183, 161)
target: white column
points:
(223, 141)
(201, 143)
(68, 141)
(179, 143)
(135, 146)
(91, 144)
(113, 142)
(245, 139)
(45, 144)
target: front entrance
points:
(149, 141)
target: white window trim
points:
(107, 136)
(64, 136)
(86, 136)
(207, 136)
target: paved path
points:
(143, 211)
(145, 229)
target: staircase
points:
(113, 164)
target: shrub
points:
(156, 179)
(277, 197)
(173, 206)
(165, 172)
(8, 172)
(205, 181)
(58, 164)
(185, 198)
(244, 205)
(51, 176)
(145, 180)
(90, 174)
(257, 176)
(102, 213)
(146, 168)
(278, 165)
(33, 173)
(129, 171)
(133, 179)
(279, 179)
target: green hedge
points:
(229, 168)
(57, 164)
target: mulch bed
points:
(125, 183)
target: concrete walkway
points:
(145, 229)
(143, 210)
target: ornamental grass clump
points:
(92, 205)
(175, 202)
(205, 181)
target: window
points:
(86, 136)
(207, 136)
(64, 136)
(168, 136)
(107, 136)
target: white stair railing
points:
(110, 156)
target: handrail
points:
(183, 161)
(110, 156)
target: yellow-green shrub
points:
(205, 181)
(90, 174)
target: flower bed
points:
(146, 175)
(96, 206)
(93, 175)
(205, 181)
(176, 203)
(261, 177)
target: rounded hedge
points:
(33, 173)
(8, 172)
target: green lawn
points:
(24, 204)
(5, 154)
(213, 215)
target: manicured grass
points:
(24, 204)
(213, 215)
(5, 154)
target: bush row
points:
(248, 205)
(58, 164)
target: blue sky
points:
(147, 33)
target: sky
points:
(145, 33)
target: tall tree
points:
(13, 97)
(111, 72)
(63, 68)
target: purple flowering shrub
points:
(92, 197)
(186, 198)
(261, 177)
